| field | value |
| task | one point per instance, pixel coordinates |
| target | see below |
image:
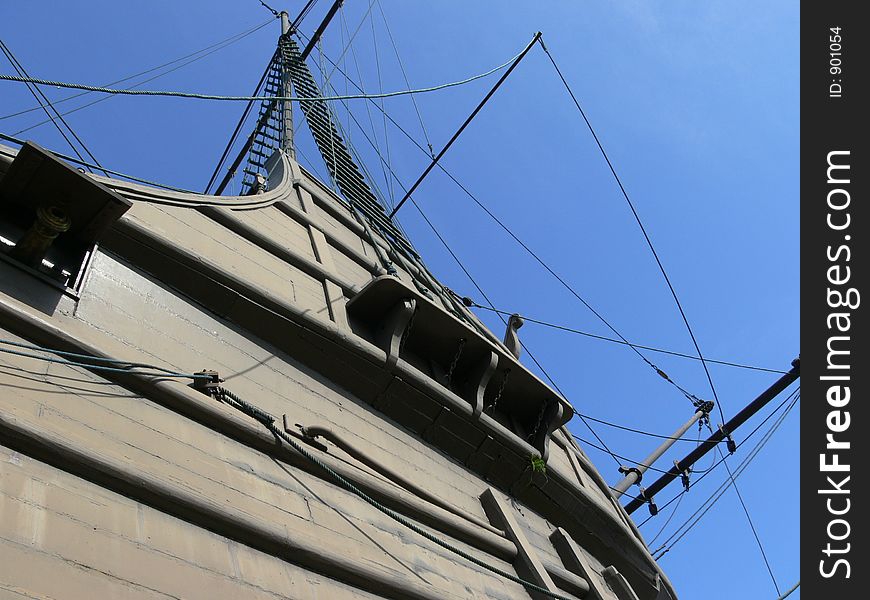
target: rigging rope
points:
(302, 14)
(642, 347)
(21, 142)
(407, 82)
(705, 506)
(350, 40)
(239, 125)
(194, 95)
(268, 421)
(619, 456)
(229, 40)
(790, 591)
(706, 472)
(640, 431)
(691, 397)
(37, 93)
(204, 53)
(668, 521)
(274, 12)
(642, 228)
(127, 368)
(749, 519)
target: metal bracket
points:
(706, 407)
(207, 386)
(303, 435)
(684, 475)
(635, 470)
(729, 441)
(651, 503)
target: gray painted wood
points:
(528, 564)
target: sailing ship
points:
(269, 395)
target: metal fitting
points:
(50, 222)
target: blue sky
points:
(697, 105)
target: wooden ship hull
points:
(124, 481)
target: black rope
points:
(302, 14)
(789, 398)
(207, 50)
(625, 458)
(274, 12)
(642, 347)
(751, 524)
(187, 60)
(642, 228)
(239, 125)
(711, 500)
(639, 431)
(37, 93)
(525, 347)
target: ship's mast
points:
(286, 89)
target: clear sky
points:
(697, 105)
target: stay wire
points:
(642, 228)
(346, 133)
(85, 163)
(638, 431)
(642, 347)
(604, 447)
(127, 369)
(619, 456)
(37, 93)
(198, 96)
(184, 60)
(302, 14)
(711, 500)
(407, 81)
(239, 125)
(751, 523)
(376, 143)
(705, 506)
(268, 421)
(274, 12)
(349, 43)
(709, 470)
(790, 591)
(670, 517)
(450, 250)
(389, 183)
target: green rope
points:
(129, 92)
(268, 421)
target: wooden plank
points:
(619, 584)
(574, 560)
(527, 563)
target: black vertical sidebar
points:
(835, 371)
